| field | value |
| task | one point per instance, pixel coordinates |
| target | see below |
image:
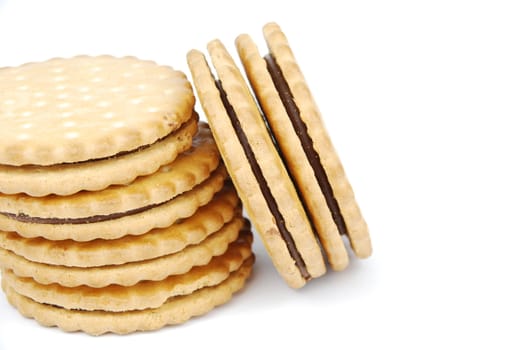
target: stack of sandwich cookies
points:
(289, 177)
(148, 231)
(255, 167)
(297, 126)
(64, 122)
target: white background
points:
(424, 101)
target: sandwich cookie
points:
(116, 213)
(129, 273)
(299, 132)
(146, 305)
(175, 310)
(104, 214)
(223, 208)
(255, 166)
(280, 156)
(142, 295)
(84, 123)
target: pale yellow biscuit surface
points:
(67, 179)
(125, 274)
(293, 152)
(187, 170)
(163, 215)
(143, 295)
(241, 172)
(155, 243)
(357, 227)
(175, 310)
(76, 109)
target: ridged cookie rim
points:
(63, 77)
(171, 312)
(65, 180)
(164, 215)
(293, 152)
(188, 169)
(143, 295)
(130, 273)
(343, 192)
(155, 243)
(209, 98)
(272, 168)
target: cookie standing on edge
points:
(255, 167)
(309, 154)
(67, 120)
(306, 178)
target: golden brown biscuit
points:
(97, 106)
(255, 167)
(175, 310)
(85, 123)
(330, 200)
(129, 273)
(133, 223)
(142, 295)
(155, 243)
(282, 148)
(186, 171)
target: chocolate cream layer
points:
(22, 217)
(75, 221)
(264, 187)
(307, 144)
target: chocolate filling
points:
(141, 148)
(97, 218)
(75, 221)
(264, 187)
(306, 142)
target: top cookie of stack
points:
(77, 124)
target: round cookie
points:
(158, 242)
(298, 149)
(86, 122)
(144, 294)
(331, 200)
(133, 223)
(68, 110)
(130, 273)
(255, 167)
(175, 311)
(68, 179)
(116, 213)
(186, 171)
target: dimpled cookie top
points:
(68, 110)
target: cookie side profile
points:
(296, 148)
(288, 256)
(321, 155)
(116, 210)
(121, 224)
(187, 170)
(176, 310)
(157, 242)
(142, 295)
(69, 178)
(98, 106)
(130, 273)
